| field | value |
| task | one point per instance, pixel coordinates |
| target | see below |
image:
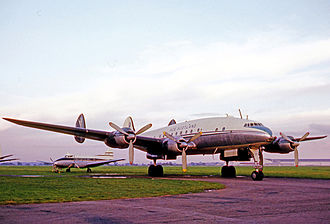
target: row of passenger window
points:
(252, 124)
(186, 132)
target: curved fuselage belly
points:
(211, 143)
(216, 142)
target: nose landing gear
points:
(257, 156)
(257, 175)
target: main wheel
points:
(232, 171)
(228, 171)
(68, 170)
(89, 170)
(224, 171)
(155, 171)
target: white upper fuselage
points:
(209, 125)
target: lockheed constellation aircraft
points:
(235, 139)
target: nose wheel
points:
(257, 156)
(257, 175)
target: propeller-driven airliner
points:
(71, 161)
(234, 139)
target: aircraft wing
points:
(102, 163)
(6, 160)
(76, 131)
(2, 157)
(148, 144)
(310, 138)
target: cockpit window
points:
(252, 124)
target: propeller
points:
(183, 145)
(131, 136)
(294, 145)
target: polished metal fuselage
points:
(218, 134)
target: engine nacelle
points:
(171, 147)
(116, 140)
(279, 146)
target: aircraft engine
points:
(281, 145)
(171, 147)
(117, 140)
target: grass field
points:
(64, 187)
(73, 186)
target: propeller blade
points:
(128, 123)
(184, 160)
(195, 137)
(170, 136)
(116, 127)
(131, 152)
(296, 160)
(286, 137)
(51, 160)
(303, 137)
(143, 129)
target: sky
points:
(159, 60)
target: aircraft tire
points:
(224, 172)
(232, 171)
(228, 171)
(256, 176)
(155, 171)
(68, 170)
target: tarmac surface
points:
(273, 200)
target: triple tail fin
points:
(80, 123)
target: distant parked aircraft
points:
(70, 161)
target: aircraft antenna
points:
(240, 113)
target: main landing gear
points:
(228, 171)
(155, 170)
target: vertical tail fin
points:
(80, 123)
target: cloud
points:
(320, 128)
